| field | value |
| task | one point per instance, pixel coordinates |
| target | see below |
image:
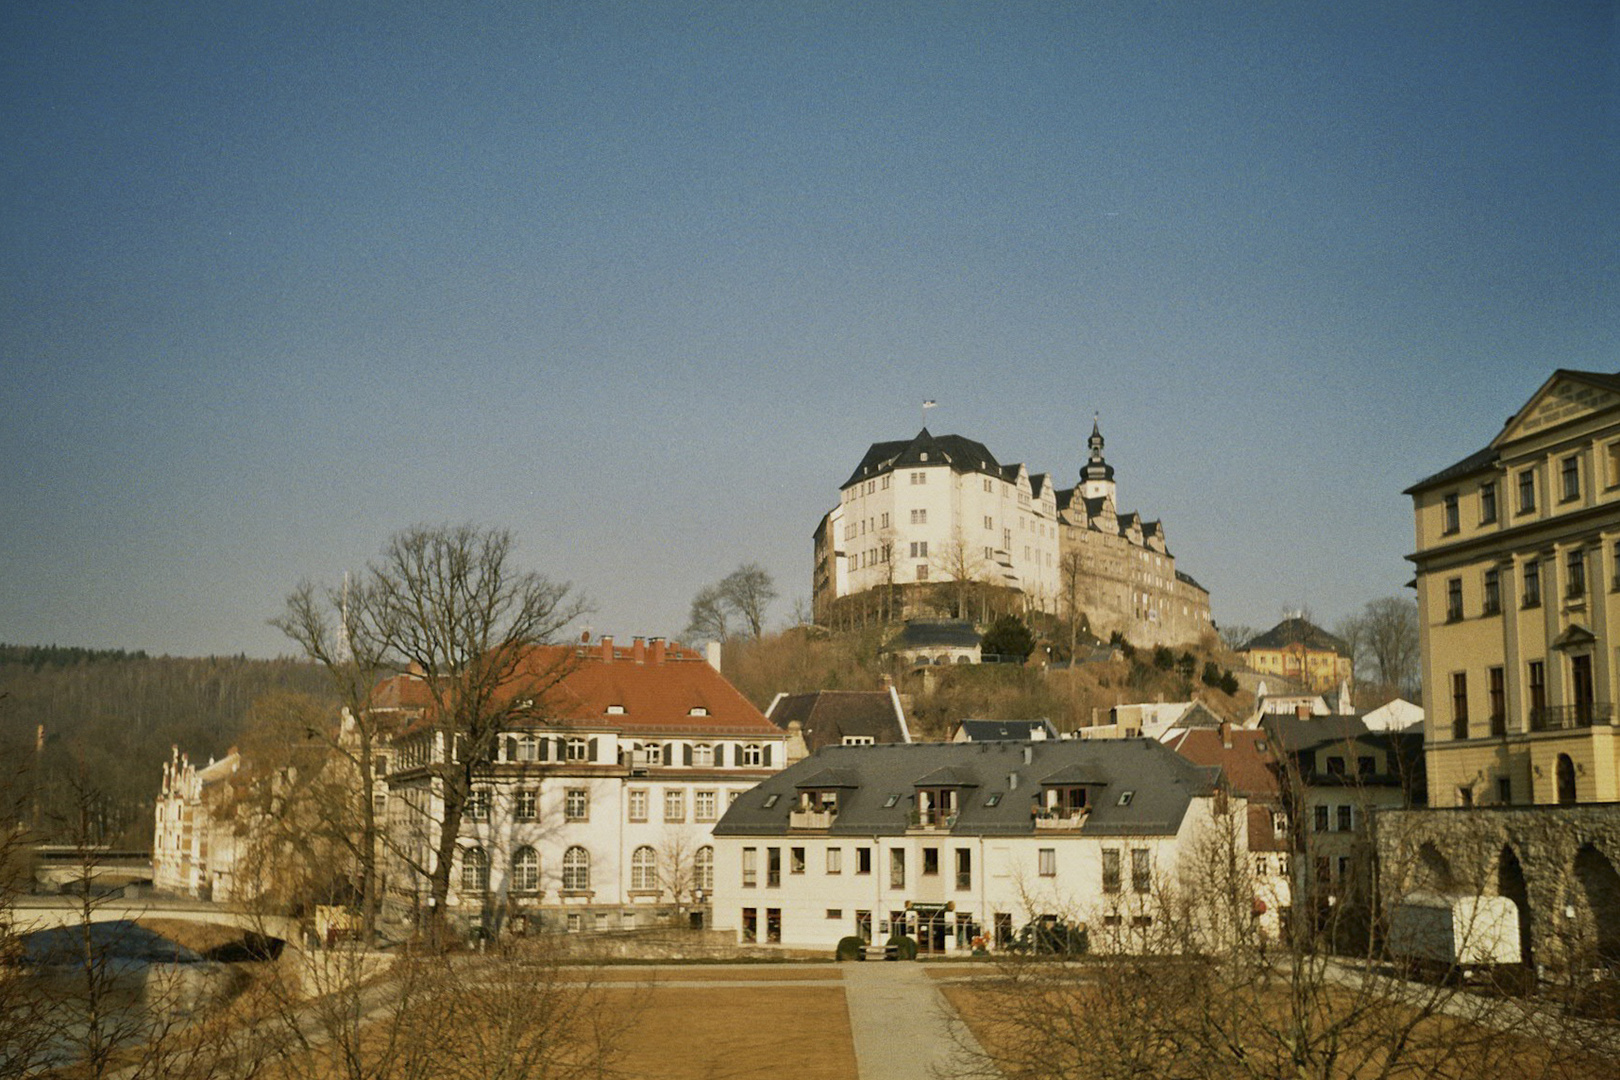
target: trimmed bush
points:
(900, 947)
(851, 948)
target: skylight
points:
(1125, 797)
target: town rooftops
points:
(1148, 787)
(828, 717)
(1003, 730)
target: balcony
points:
(1571, 717)
(811, 819)
(1059, 819)
(932, 820)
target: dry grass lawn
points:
(702, 1034)
(196, 936)
(694, 973)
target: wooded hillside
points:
(109, 719)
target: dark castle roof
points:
(962, 455)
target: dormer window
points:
(615, 710)
(578, 750)
(697, 710)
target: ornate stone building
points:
(928, 525)
(1117, 568)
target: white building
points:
(957, 843)
(597, 813)
(934, 509)
(194, 840)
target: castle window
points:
(1527, 492)
(1532, 583)
(919, 478)
(1454, 599)
(1493, 592)
(1570, 470)
(1487, 503)
(1450, 513)
(919, 517)
(1577, 573)
(922, 571)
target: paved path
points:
(904, 1028)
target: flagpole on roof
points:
(929, 404)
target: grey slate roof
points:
(1003, 730)
(962, 455)
(926, 633)
(826, 716)
(1294, 632)
(1162, 783)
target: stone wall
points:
(1558, 864)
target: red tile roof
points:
(658, 686)
(1249, 764)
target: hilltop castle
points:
(936, 523)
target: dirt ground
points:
(696, 973)
(702, 1034)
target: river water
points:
(139, 982)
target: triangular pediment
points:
(1567, 396)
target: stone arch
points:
(1564, 773)
(1434, 870)
(1600, 885)
(1510, 882)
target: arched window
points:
(643, 869)
(1564, 773)
(474, 871)
(576, 875)
(528, 748)
(703, 869)
(525, 870)
(752, 755)
(577, 750)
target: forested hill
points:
(110, 718)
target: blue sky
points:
(642, 281)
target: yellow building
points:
(1301, 652)
(1519, 605)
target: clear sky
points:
(642, 281)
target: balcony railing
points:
(932, 819)
(1059, 819)
(811, 819)
(1568, 717)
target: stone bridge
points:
(1556, 863)
(31, 913)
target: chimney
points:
(638, 650)
(1226, 734)
(1029, 754)
(1012, 781)
(607, 648)
(712, 653)
(1302, 712)
(657, 650)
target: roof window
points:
(697, 710)
(890, 801)
(993, 800)
(615, 710)
(1125, 797)
(770, 801)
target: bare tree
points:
(963, 566)
(1391, 628)
(708, 618)
(1236, 635)
(344, 639)
(743, 594)
(748, 591)
(1072, 575)
(449, 606)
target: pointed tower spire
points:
(1096, 475)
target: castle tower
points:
(1096, 475)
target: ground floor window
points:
(750, 924)
(773, 925)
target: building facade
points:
(937, 523)
(1117, 567)
(194, 839)
(1302, 653)
(960, 845)
(1518, 585)
(598, 809)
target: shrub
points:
(851, 948)
(901, 947)
(1229, 683)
